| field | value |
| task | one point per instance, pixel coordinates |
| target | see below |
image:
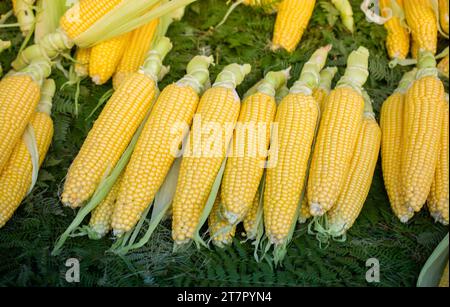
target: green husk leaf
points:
(48, 14)
(431, 272)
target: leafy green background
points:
(26, 240)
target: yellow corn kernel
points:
(443, 66)
(397, 40)
(251, 218)
(101, 217)
(105, 58)
(424, 107)
(135, 52)
(220, 230)
(15, 179)
(422, 22)
(438, 198)
(358, 178)
(219, 106)
(304, 214)
(156, 148)
(82, 58)
(83, 14)
(19, 97)
(292, 20)
(443, 15)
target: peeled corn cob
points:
(397, 40)
(423, 24)
(113, 130)
(101, 216)
(105, 58)
(19, 97)
(337, 135)
(443, 15)
(134, 55)
(321, 92)
(292, 20)
(297, 118)
(82, 58)
(438, 198)
(16, 179)
(358, 178)
(218, 106)
(424, 107)
(443, 66)
(245, 167)
(391, 121)
(220, 230)
(155, 150)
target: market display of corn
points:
(195, 137)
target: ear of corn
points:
(16, 177)
(219, 106)
(101, 216)
(345, 10)
(438, 198)
(424, 107)
(245, 166)
(134, 55)
(397, 40)
(423, 24)
(337, 135)
(292, 19)
(391, 121)
(155, 151)
(19, 97)
(220, 230)
(358, 178)
(114, 129)
(443, 15)
(23, 9)
(443, 66)
(321, 92)
(105, 57)
(297, 119)
(82, 59)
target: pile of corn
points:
(277, 158)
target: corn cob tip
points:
(197, 73)
(357, 71)
(233, 75)
(316, 209)
(153, 62)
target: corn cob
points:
(292, 20)
(113, 130)
(444, 279)
(16, 179)
(245, 166)
(345, 10)
(391, 121)
(105, 58)
(220, 230)
(253, 217)
(304, 214)
(218, 106)
(443, 15)
(397, 40)
(134, 55)
(422, 22)
(337, 135)
(358, 178)
(443, 67)
(23, 10)
(82, 58)
(438, 198)
(155, 150)
(19, 97)
(297, 119)
(424, 107)
(101, 217)
(89, 22)
(321, 92)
